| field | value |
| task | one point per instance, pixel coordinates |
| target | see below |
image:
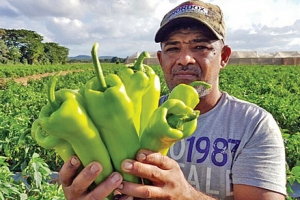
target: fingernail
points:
(141, 156)
(94, 168)
(127, 165)
(116, 177)
(74, 161)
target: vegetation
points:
(274, 88)
(24, 46)
(27, 47)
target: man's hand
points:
(168, 181)
(75, 186)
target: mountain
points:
(85, 57)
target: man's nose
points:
(185, 58)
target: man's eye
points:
(201, 47)
(172, 49)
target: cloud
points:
(6, 11)
(40, 9)
(265, 26)
(123, 27)
(67, 31)
(247, 14)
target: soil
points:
(24, 80)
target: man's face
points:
(189, 55)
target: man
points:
(237, 150)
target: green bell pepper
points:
(112, 112)
(143, 88)
(64, 120)
(62, 147)
(167, 125)
(188, 93)
(174, 120)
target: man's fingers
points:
(143, 170)
(141, 191)
(105, 187)
(154, 158)
(74, 183)
(68, 171)
(150, 165)
(86, 177)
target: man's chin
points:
(203, 91)
(185, 81)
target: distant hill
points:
(85, 57)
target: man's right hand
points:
(75, 186)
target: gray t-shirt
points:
(236, 142)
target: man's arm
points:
(246, 192)
(168, 181)
(261, 163)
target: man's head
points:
(193, 12)
(192, 44)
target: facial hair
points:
(202, 91)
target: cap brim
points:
(159, 36)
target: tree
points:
(55, 53)
(50, 50)
(114, 59)
(3, 52)
(14, 54)
(29, 43)
(63, 54)
(26, 46)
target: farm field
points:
(275, 88)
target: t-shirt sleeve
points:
(261, 161)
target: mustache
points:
(186, 69)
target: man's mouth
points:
(185, 75)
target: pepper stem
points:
(98, 69)
(176, 121)
(200, 83)
(51, 92)
(138, 65)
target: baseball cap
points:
(198, 11)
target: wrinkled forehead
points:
(190, 33)
(200, 30)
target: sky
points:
(124, 27)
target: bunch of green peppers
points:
(112, 117)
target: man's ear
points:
(158, 54)
(226, 52)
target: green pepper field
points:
(275, 88)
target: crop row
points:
(14, 71)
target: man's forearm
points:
(195, 194)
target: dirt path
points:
(24, 80)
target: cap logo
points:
(189, 8)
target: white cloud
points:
(249, 14)
(33, 8)
(123, 27)
(67, 31)
(295, 42)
